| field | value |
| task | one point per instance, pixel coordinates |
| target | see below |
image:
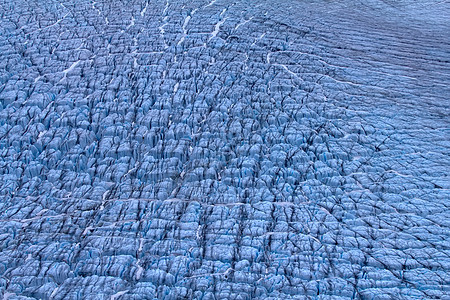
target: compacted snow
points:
(224, 149)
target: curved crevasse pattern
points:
(224, 149)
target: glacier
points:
(224, 149)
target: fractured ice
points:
(224, 149)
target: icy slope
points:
(224, 149)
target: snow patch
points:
(71, 67)
(117, 295)
(144, 10)
(210, 3)
(217, 28)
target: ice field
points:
(225, 149)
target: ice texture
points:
(224, 149)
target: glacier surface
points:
(224, 149)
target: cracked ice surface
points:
(224, 149)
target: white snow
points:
(132, 23)
(53, 294)
(217, 28)
(185, 24)
(210, 3)
(140, 270)
(243, 23)
(86, 230)
(71, 67)
(144, 9)
(117, 295)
